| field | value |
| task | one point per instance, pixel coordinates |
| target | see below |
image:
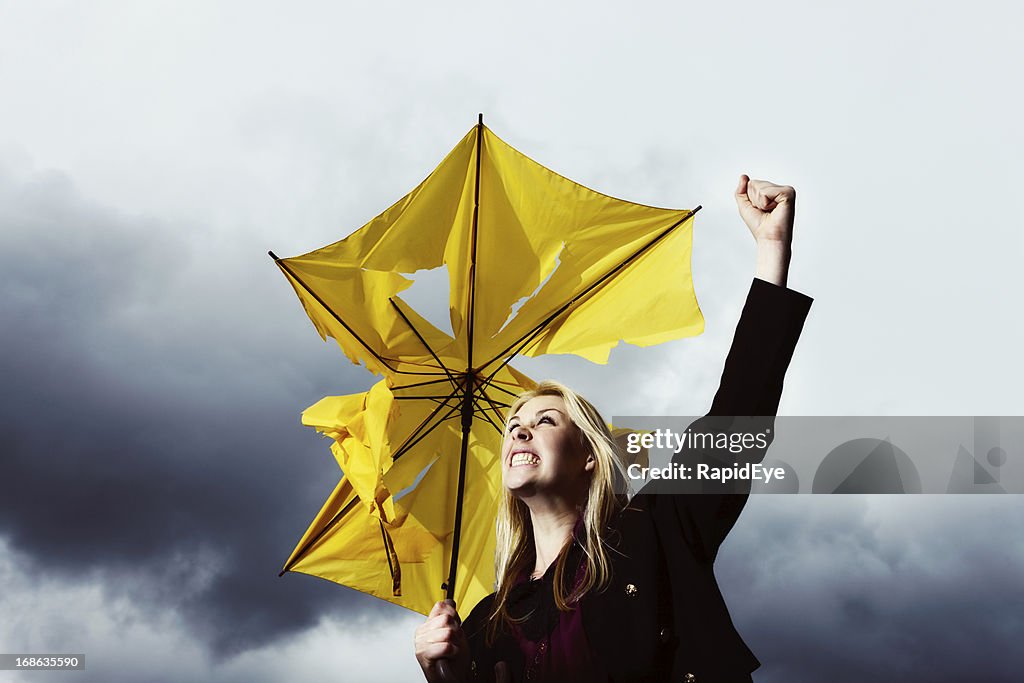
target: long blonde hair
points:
(515, 550)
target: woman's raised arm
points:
(751, 385)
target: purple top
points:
(553, 643)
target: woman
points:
(591, 588)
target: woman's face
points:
(543, 452)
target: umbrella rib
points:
(472, 247)
(418, 384)
(493, 402)
(416, 398)
(384, 538)
(334, 520)
(384, 361)
(406, 447)
(531, 335)
(488, 382)
(433, 399)
(424, 342)
(483, 412)
(388, 549)
(415, 434)
(498, 413)
(497, 405)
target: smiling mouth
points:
(523, 458)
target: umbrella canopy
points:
(536, 264)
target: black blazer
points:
(663, 617)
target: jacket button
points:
(665, 634)
(690, 678)
(631, 590)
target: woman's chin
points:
(521, 484)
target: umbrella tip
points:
(480, 118)
(273, 256)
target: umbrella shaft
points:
(467, 424)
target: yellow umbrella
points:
(536, 264)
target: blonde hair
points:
(515, 550)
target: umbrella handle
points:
(444, 668)
(444, 665)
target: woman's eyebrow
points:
(542, 410)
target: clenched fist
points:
(767, 209)
(441, 637)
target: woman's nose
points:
(520, 432)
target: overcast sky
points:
(153, 472)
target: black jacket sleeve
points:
(746, 401)
(762, 347)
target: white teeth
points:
(524, 459)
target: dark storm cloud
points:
(150, 432)
(886, 588)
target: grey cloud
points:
(150, 415)
(891, 588)
(128, 640)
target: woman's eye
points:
(511, 428)
(546, 419)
